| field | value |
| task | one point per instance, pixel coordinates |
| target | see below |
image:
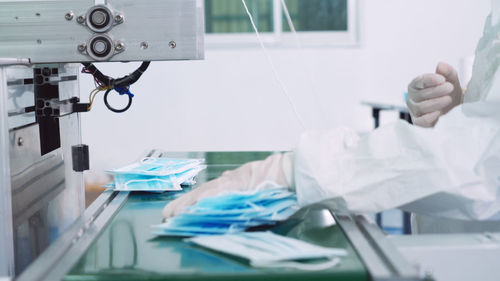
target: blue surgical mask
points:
(157, 174)
(266, 249)
(232, 212)
(140, 183)
(159, 166)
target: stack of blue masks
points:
(231, 212)
(157, 174)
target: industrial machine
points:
(41, 46)
(45, 231)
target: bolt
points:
(69, 15)
(172, 44)
(144, 45)
(119, 18)
(37, 14)
(20, 141)
(119, 46)
(82, 47)
(80, 19)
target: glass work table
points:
(113, 241)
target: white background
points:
(231, 101)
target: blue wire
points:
(124, 91)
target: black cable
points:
(114, 109)
(122, 82)
(133, 77)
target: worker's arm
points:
(277, 169)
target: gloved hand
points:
(433, 95)
(276, 168)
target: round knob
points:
(99, 18)
(100, 47)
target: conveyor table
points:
(112, 241)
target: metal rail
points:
(58, 259)
(383, 261)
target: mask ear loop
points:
(298, 265)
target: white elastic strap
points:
(298, 265)
(273, 68)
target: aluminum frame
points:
(6, 228)
(55, 31)
(35, 187)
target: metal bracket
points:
(56, 108)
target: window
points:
(229, 16)
(317, 15)
(318, 22)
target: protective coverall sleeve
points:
(450, 171)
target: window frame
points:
(280, 38)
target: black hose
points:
(133, 77)
(119, 82)
(114, 109)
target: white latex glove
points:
(433, 95)
(276, 168)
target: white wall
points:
(230, 101)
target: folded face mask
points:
(231, 213)
(157, 174)
(174, 228)
(141, 183)
(266, 249)
(158, 166)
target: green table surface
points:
(126, 250)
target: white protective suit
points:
(449, 175)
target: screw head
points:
(172, 44)
(119, 18)
(69, 15)
(144, 45)
(82, 47)
(119, 46)
(80, 19)
(20, 141)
